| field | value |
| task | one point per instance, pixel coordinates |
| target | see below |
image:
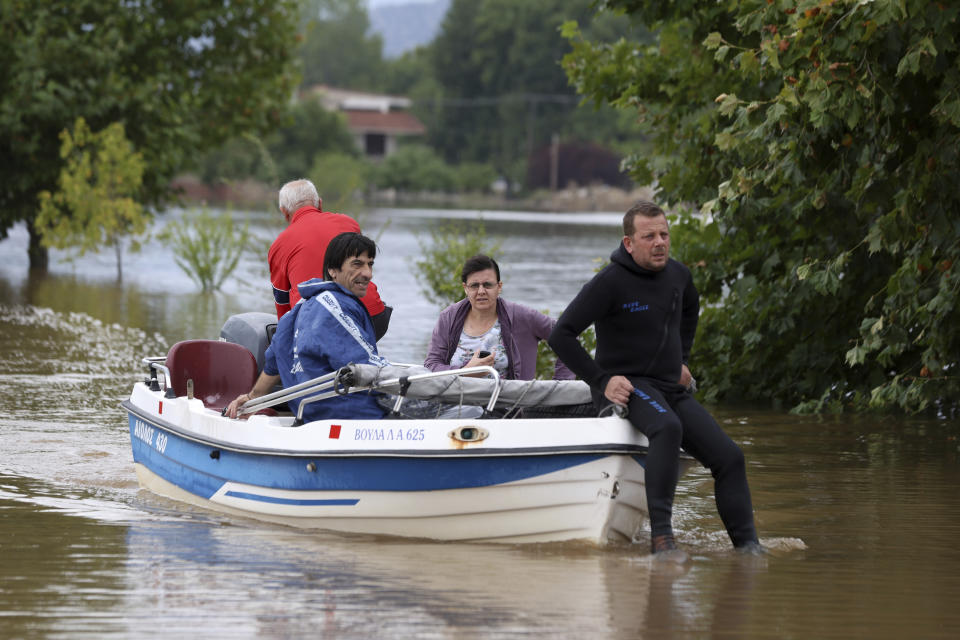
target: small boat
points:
(498, 461)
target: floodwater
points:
(862, 514)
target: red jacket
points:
(297, 255)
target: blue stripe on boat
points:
(189, 465)
(295, 501)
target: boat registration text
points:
(145, 432)
(366, 433)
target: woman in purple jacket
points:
(485, 330)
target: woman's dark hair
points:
(479, 262)
(346, 245)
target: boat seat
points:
(220, 371)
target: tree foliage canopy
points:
(339, 49)
(822, 139)
(93, 205)
(181, 78)
(501, 92)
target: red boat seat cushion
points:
(220, 371)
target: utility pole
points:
(554, 161)
(531, 122)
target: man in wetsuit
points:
(297, 253)
(328, 330)
(645, 308)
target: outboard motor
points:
(253, 330)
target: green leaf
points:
(749, 63)
(728, 103)
(856, 356)
(725, 141)
(570, 29)
(713, 40)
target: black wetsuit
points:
(645, 323)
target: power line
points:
(486, 101)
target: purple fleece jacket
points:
(521, 328)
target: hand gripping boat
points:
(533, 464)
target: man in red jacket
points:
(297, 253)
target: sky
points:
(380, 3)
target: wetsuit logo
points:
(633, 307)
(653, 403)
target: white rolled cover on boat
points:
(469, 390)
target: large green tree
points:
(822, 140)
(338, 48)
(501, 90)
(181, 78)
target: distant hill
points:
(407, 26)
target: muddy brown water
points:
(861, 513)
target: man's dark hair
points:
(641, 208)
(479, 262)
(344, 246)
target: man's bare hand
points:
(618, 390)
(234, 407)
(685, 376)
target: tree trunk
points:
(38, 254)
(118, 247)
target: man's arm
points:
(280, 286)
(261, 387)
(375, 306)
(690, 315)
(585, 308)
(281, 300)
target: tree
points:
(93, 205)
(415, 168)
(502, 92)
(309, 131)
(338, 49)
(822, 140)
(341, 179)
(180, 77)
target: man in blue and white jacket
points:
(328, 329)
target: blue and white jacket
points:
(328, 329)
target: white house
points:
(375, 120)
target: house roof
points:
(396, 122)
(346, 99)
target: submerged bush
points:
(206, 247)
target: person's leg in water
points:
(650, 413)
(706, 441)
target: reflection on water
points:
(169, 570)
(862, 513)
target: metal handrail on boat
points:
(338, 383)
(155, 363)
(330, 385)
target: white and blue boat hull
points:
(527, 480)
